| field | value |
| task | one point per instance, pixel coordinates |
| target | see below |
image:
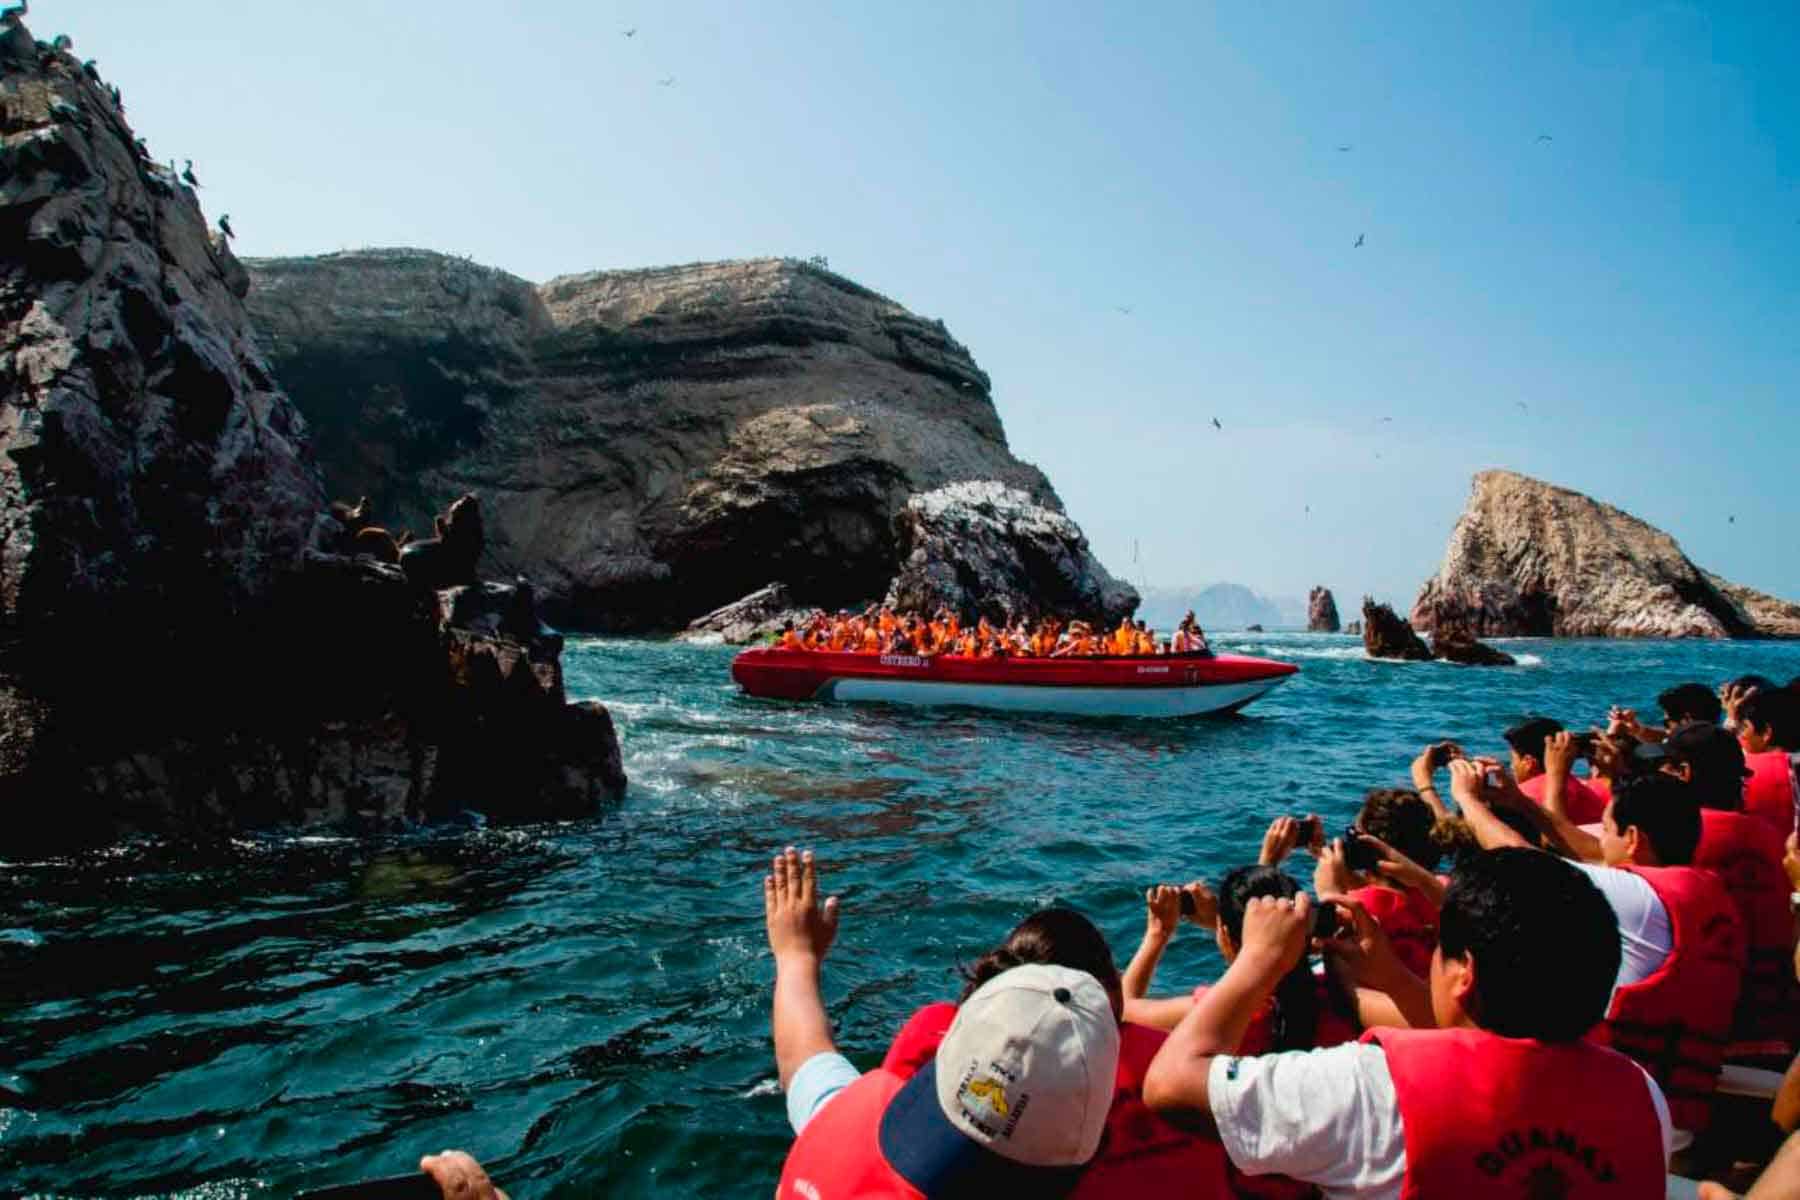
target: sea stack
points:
(1529, 559)
(1321, 611)
(1385, 635)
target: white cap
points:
(1028, 1067)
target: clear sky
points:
(1616, 308)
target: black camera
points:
(1360, 854)
(1187, 904)
(1326, 920)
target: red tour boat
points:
(1168, 685)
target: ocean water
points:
(584, 1006)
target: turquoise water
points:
(584, 1006)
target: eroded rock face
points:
(175, 653)
(648, 445)
(986, 549)
(1530, 559)
(753, 618)
(1321, 611)
(1385, 635)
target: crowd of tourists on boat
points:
(1523, 975)
(881, 630)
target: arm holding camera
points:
(1424, 772)
(1403, 872)
(1286, 834)
(1364, 963)
(1276, 932)
(1164, 907)
(1469, 787)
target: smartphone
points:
(1187, 904)
(1360, 854)
(1584, 746)
(417, 1186)
(1491, 779)
(1443, 752)
(1311, 829)
(1326, 921)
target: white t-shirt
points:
(1644, 937)
(1327, 1117)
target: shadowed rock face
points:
(175, 655)
(1321, 611)
(1530, 559)
(1385, 635)
(648, 445)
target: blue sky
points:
(1616, 309)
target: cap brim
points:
(936, 1157)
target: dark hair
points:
(1715, 761)
(1774, 709)
(1663, 809)
(1528, 736)
(1296, 996)
(1059, 936)
(1753, 683)
(1544, 941)
(1399, 817)
(1690, 702)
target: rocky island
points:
(188, 642)
(1529, 559)
(651, 445)
(1321, 611)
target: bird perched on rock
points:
(62, 43)
(143, 150)
(187, 175)
(225, 226)
(15, 14)
(113, 91)
(92, 69)
(1358, 242)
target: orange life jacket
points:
(838, 1155)
(1769, 792)
(1409, 920)
(1584, 805)
(1676, 1022)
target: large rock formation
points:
(990, 550)
(1321, 611)
(763, 612)
(648, 444)
(1385, 635)
(1530, 559)
(174, 649)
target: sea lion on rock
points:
(378, 543)
(448, 559)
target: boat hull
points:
(1162, 687)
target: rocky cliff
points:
(178, 648)
(1530, 559)
(648, 444)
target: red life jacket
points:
(1487, 1116)
(1746, 853)
(1769, 792)
(1676, 1022)
(1141, 1154)
(838, 1155)
(1409, 920)
(1584, 805)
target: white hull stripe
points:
(1092, 701)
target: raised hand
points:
(1333, 875)
(1363, 957)
(460, 1177)
(799, 926)
(1279, 841)
(1276, 932)
(1206, 904)
(1560, 753)
(1162, 911)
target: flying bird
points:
(187, 175)
(1522, 406)
(225, 226)
(632, 32)
(1344, 149)
(1216, 424)
(1731, 520)
(666, 81)
(1359, 241)
(1544, 137)
(1122, 308)
(1384, 420)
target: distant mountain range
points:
(1220, 606)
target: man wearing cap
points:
(1013, 1104)
(1556, 789)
